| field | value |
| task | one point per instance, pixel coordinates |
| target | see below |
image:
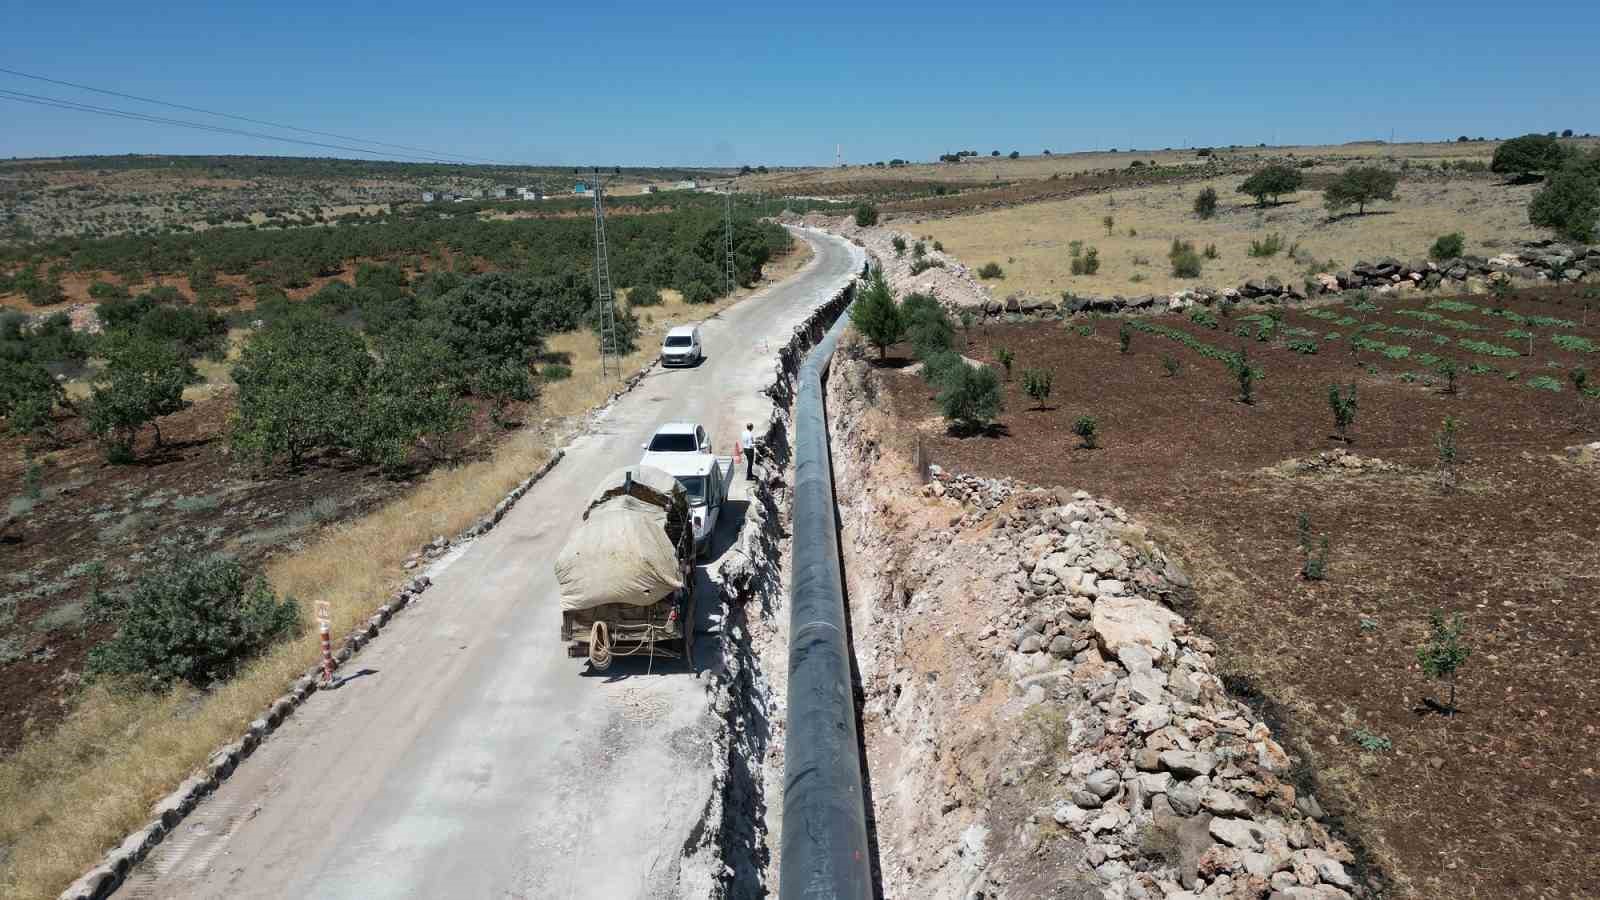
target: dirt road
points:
(469, 757)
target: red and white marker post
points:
(323, 615)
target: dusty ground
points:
(1032, 242)
(1501, 800)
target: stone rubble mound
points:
(1158, 755)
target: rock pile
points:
(968, 490)
(1337, 461)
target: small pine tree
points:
(1124, 337)
(1442, 654)
(1343, 405)
(876, 316)
(866, 215)
(1205, 203)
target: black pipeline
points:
(824, 851)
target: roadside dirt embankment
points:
(1039, 717)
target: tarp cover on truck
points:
(626, 550)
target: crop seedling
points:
(1451, 372)
(1368, 625)
(1005, 358)
(1442, 654)
(1036, 383)
(1124, 337)
(1171, 365)
(1372, 743)
(1110, 223)
(1447, 453)
(1244, 375)
(1313, 565)
(1343, 405)
(1087, 430)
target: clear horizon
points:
(764, 87)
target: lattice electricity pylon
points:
(607, 309)
(732, 277)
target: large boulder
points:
(1121, 622)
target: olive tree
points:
(1272, 181)
(143, 380)
(1359, 186)
(300, 380)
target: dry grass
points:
(986, 169)
(67, 797)
(1032, 242)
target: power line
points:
(76, 106)
(431, 154)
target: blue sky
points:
(662, 84)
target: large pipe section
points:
(824, 853)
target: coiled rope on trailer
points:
(601, 651)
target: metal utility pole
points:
(607, 311)
(733, 281)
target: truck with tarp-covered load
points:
(626, 573)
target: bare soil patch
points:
(1500, 800)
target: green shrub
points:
(970, 398)
(1544, 383)
(105, 290)
(899, 244)
(1110, 223)
(918, 266)
(866, 215)
(1036, 383)
(644, 295)
(1203, 317)
(927, 326)
(1087, 430)
(1205, 203)
(1170, 364)
(195, 620)
(1448, 246)
(1086, 264)
(555, 372)
(1268, 247)
(991, 270)
(1529, 154)
(1185, 262)
(1211, 252)
(1569, 203)
(941, 365)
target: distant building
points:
(582, 189)
(689, 185)
(650, 189)
(505, 193)
(429, 197)
(530, 194)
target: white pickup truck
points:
(683, 450)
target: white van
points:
(681, 347)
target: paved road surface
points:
(477, 760)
